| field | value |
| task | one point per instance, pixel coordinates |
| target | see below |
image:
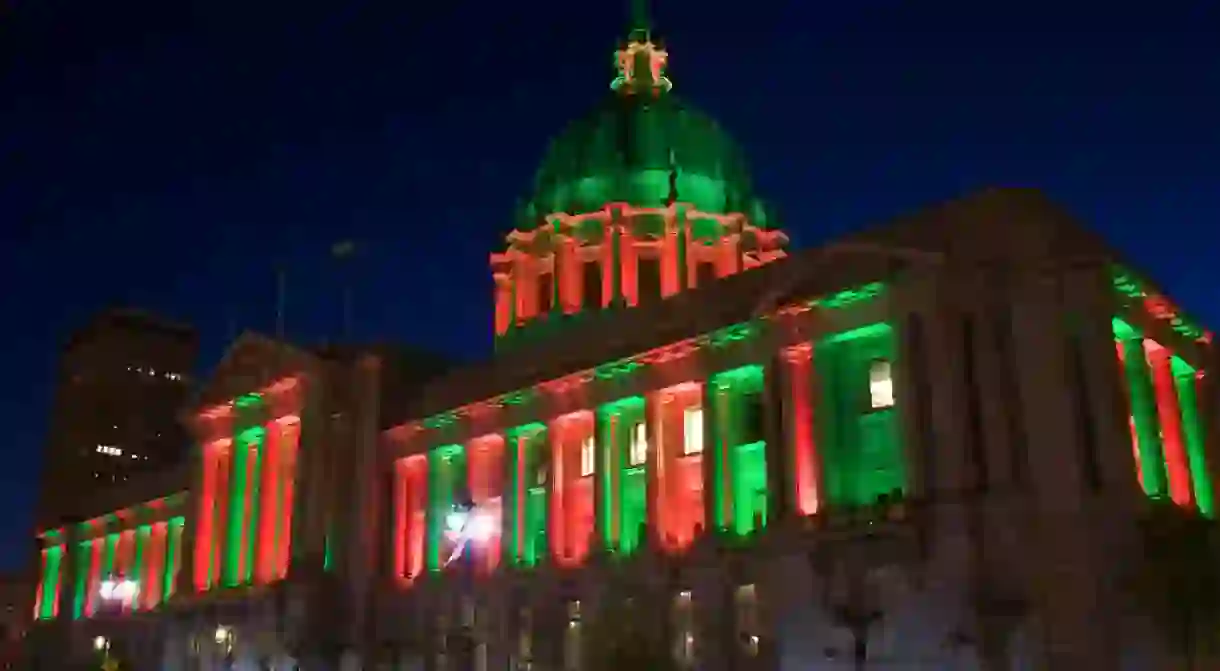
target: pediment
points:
(252, 362)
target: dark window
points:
(592, 273)
(649, 278)
(1011, 393)
(1082, 404)
(705, 273)
(922, 410)
(540, 461)
(753, 418)
(977, 450)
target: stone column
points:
(1076, 628)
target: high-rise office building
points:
(121, 381)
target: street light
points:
(122, 590)
(469, 522)
(101, 643)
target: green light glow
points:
(83, 552)
(446, 469)
(861, 445)
(172, 549)
(1192, 428)
(736, 398)
(1143, 410)
(50, 582)
(625, 509)
(1138, 296)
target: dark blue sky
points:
(168, 154)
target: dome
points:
(646, 151)
(642, 146)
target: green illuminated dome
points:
(642, 146)
(647, 151)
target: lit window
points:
(692, 430)
(110, 450)
(748, 620)
(639, 445)
(571, 642)
(588, 452)
(881, 384)
(684, 629)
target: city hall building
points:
(926, 446)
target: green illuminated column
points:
(257, 437)
(173, 556)
(740, 449)
(50, 582)
(1144, 414)
(237, 512)
(1192, 428)
(83, 558)
(445, 470)
(625, 510)
(531, 464)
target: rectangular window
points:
(639, 444)
(749, 623)
(588, 456)
(649, 278)
(684, 629)
(881, 385)
(572, 648)
(592, 284)
(692, 430)
(705, 273)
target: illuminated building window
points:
(881, 384)
(684, 630)
(692, 430)
(572, 651)
(588, 456)
(747, 619)
(110, 450)
(639, 444)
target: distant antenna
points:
(281, 289)
(343, 251)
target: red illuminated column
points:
(567, 274)
(629, 260)
(484, 467)
(798, 363)
(153, 579)
(504, 303)
(289, 444)
(205, 535)
(410, 512)
(671, 272)
(268, 491)
(95, 574)
(400, 519)
(679, 483)
(1176, 463)
(526, 284)
(726, 255)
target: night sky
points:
(169, 154)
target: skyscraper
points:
(120, 383)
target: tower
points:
(642, 199)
